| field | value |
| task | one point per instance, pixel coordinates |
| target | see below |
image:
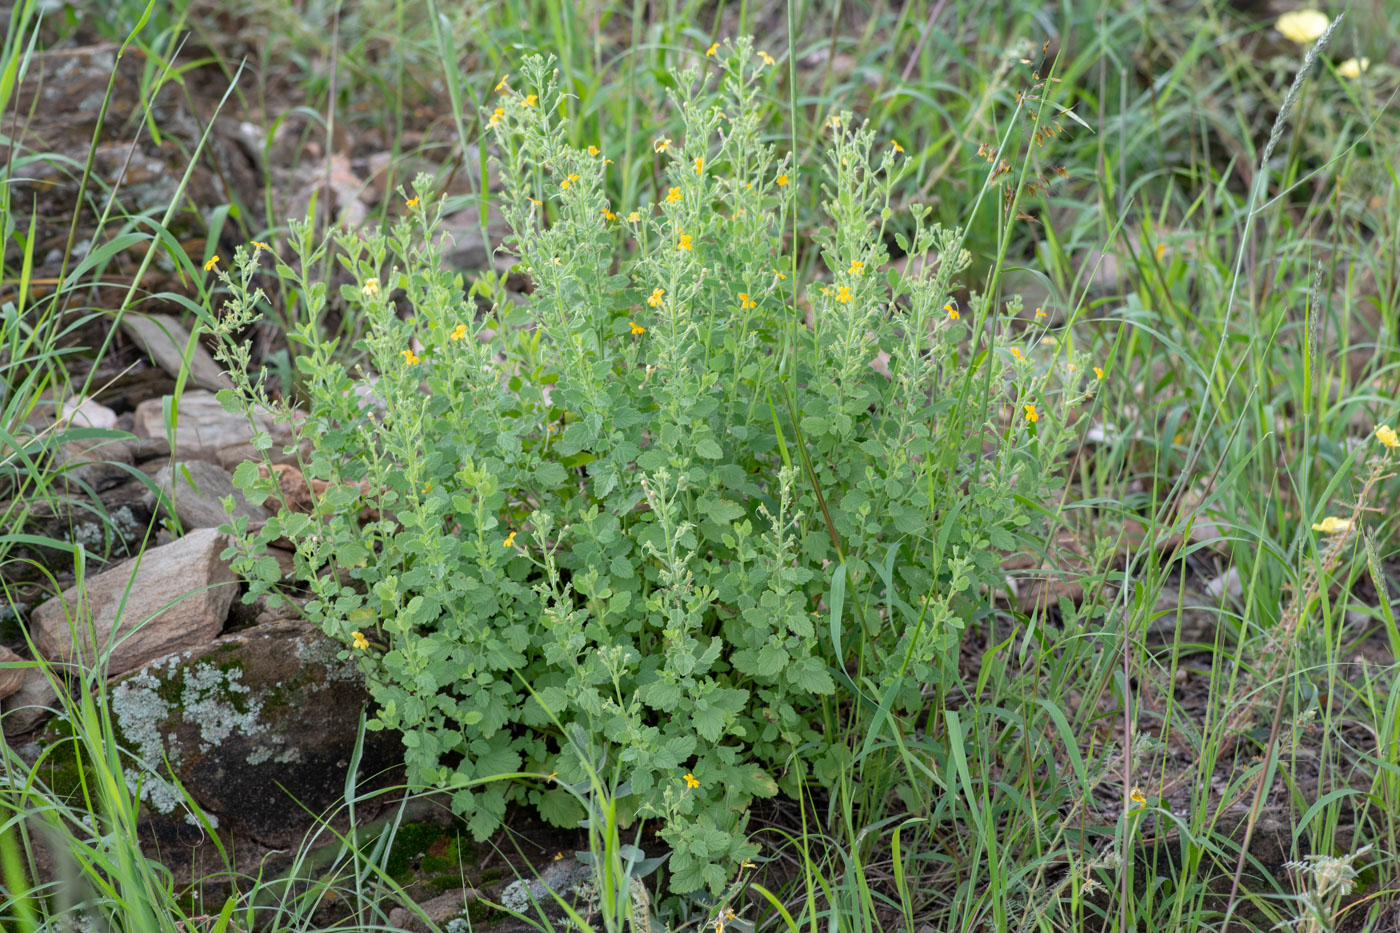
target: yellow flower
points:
(1031, 414)
(531, 100)
(857, 268)
(1135, 795)
(592, 150)
(691, 781)
(257, 245)
(710, 52)
(634, 218)
(568, 181)
(1161, 251)
(1098, 372)
(782, 180)
(655, 299)
(952, 311)
(371, 288)
(673, 195)
(843, 294)
(745, 301)
(213, 261)
(1353, 67)
(637, 329)
(411, 203)
(685, 242)
(767, 59)
(608, 214)
(1387, 436)
(501, 84)
(835, 122)
(410, 357)
(1331, 525)
(458, 332)
(699, 164)
(361, 642)
(661, 144)
(510, 540)
(536, 203)
(1039, 313)
(1302, 26)
(898, 149)
(780, 275)
(1016, 352)
(496, 116)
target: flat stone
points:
(83, 412)
(193, 491)
(439, 910)
(246, 716)
(174, 597)
(204, 431)
(11, 678)
(28, 706)
(164, 339)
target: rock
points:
(30, 705)
(176, 597)
(204, 431)
(83, 412)
(96, 463)
(563, 876)
(246, 716)
(164, 339)
(194, 490)
(11, 678)
(439, 910)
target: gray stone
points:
(246, 716)
(164, 339)
(439, 910)
(193, 490)
(83, 412)
(205, 431)
(11, 678)
(172, 598)
(30, 705)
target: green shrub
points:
(672, 518)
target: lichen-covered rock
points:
(175, 598)
(194, 492)
(248, 723)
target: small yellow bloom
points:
(1016, 352)
(1136, 796)
(779, 275)
(501, 84)
(1353, 67)
(371, 288)
(1098, 372)
(592, 150)
(496, 116)
(655, 299)
(1039, 313)
(782, 180)
(1161, 251)
(843, 294)
(767, 59)
(458, 332)
(361, 642)
(952, 311)
(684, 242)
(1031, 414)
(536, 203)
(1302, 26)
(558, 856)
(857, 268)
(411, 203)
(835, 122)
(661, 144)
(712, 50)
(1387, 436)
(1331, 525)
(568, 181)
(531, 100)
(634, 218)
(260, 246)
(691, 781)
(699, 164)
(410, 358)
(637, 329)
(510, 540)
(745, 301)
(213, 261)
(608, 214)
(673, 195)
(898, 149)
